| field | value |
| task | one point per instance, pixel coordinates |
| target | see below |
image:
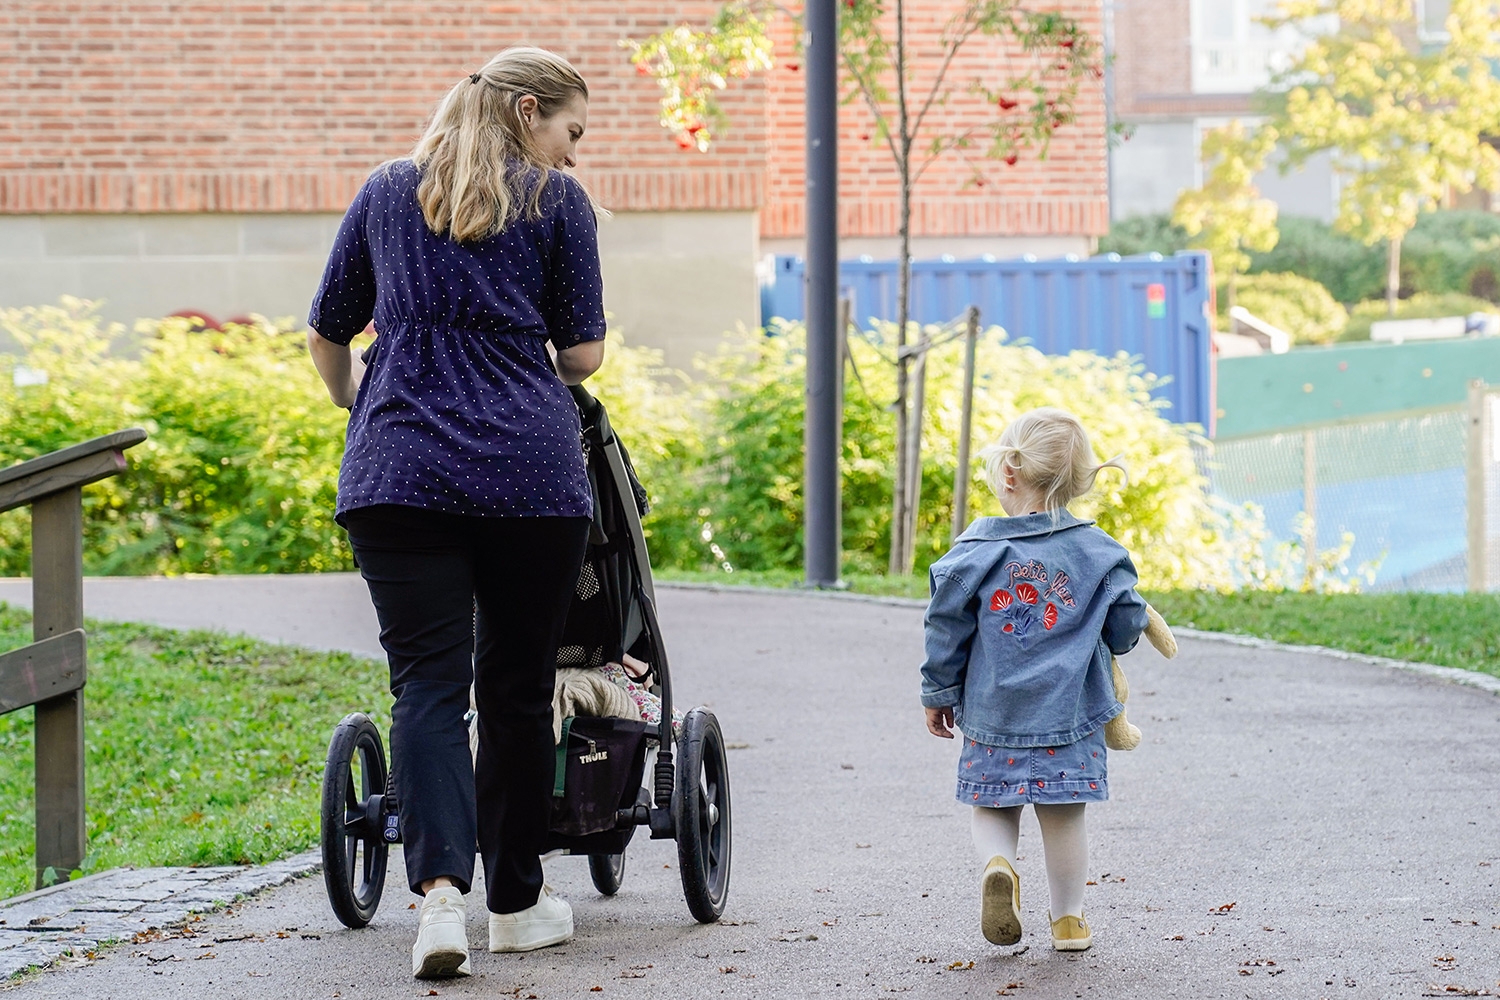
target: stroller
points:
(596, 811)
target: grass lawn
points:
(1453, 630)
(201, 748)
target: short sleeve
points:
(574, 312)
(345, 301)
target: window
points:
(1233, 52)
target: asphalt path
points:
(1293, 825)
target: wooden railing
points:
(50, 673)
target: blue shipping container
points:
(1149, 306)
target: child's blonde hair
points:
(1049, 451)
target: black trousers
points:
(461, 600)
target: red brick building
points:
(198, 154)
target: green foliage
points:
(1350, 270)
(1144, 234)
(240, 471)
(1227, 216)
(749, 499)
(1405, 122)
(202, 749)
(1453, 630)
(1453, 252)
(1298, 305)
(691, 67)
(1420, 306)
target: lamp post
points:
(823, 429)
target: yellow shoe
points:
(1070, 934)
(1000, 902)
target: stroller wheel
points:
(608, 872)
(354, 852)
(700, 806)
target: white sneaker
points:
(549, 922)
(442, 947)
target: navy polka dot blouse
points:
(461, 410)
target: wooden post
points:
(1309, 505)
(51, 672)
(57, 607)
(1476, 455)
(965, 426)
(914, 454)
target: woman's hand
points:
(340, 370)
(940, 721)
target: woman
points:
(463, 486)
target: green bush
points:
(240, 471)
(1419, 306)
(1300, 306)
(1144, 234)
(1456, 252)
(750, 504)
(1448, 251)
(1346, 267)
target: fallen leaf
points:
(727, 969)
(411, 906)
(960, 965)
(631, 974)
(1247, 972)
(1225, 908)
(1091, 882)
(432, 993)
(596, 989)
(206, 954)
(1175, 937)
(860, 847)
(1260, 961)
(926, 959)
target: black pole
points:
(824, 424)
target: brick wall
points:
(240, 106)
(1064, 194)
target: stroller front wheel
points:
(608, 872)
(700, 806)
(354, 849)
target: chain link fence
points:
(1418, 492)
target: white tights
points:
(1064, 840)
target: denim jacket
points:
(1023, 618)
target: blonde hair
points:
(1048, 450)
(481, 169)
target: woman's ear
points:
(526, 107)
(1010, 478)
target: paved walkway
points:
(1294, 825)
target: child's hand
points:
(940, 721)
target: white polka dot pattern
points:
(461, 409)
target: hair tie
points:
(473, 77)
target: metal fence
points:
(1419, 492)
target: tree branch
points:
(865, 91)
(941, 73)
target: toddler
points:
(1026, 610)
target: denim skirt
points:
(996, 777)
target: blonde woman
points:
(463, 485)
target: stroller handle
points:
(587, 404)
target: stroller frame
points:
(686, 797)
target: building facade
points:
(1182, 68)
(198, 155)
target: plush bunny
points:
(1119, 734)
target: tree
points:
(1030, 98)
(1226, 216)
(1405, 122)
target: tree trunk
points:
(1229, 296)
(1392, 275)
(899, 564)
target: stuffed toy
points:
(1119, 734)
